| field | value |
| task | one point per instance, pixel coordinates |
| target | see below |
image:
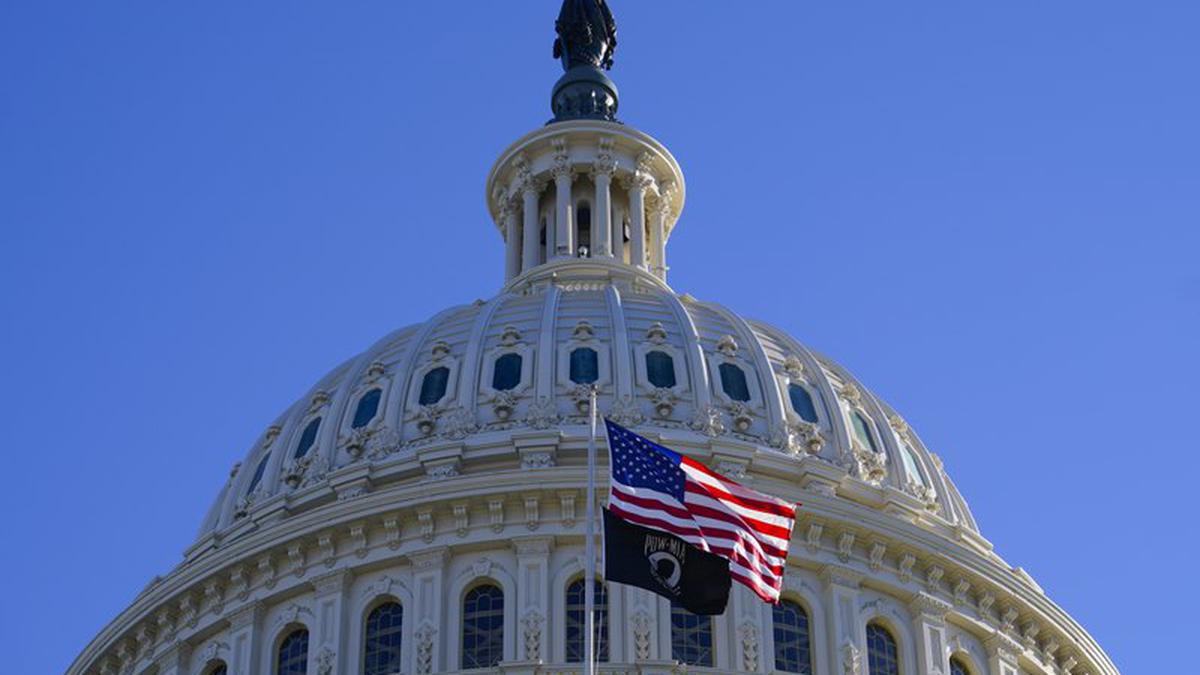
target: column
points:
(564, 237)
(637, 221)
(512, 241)
(533, 597)
(602, 214)
(930, 617)
(847, 649)
(530, 256)
(245, 639)
(618, 230)
(329, 629)
(429, 571)
(658, 249)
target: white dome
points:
(622, 314)
(450, 457)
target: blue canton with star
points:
(641, 463)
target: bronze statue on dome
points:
(587, 34)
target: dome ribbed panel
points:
(547, 323)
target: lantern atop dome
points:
(585, 188)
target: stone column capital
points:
(331, 582)
(434, 558)
(930, 607)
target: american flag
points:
(663, 490)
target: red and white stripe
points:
(748, 528)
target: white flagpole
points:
(589, 600)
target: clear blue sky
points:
(988, 211)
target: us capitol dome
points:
(420, 509)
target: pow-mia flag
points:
(665, 564)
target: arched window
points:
(218, 669)
(862, 431)
(883, 658)
(433, 385)
(691, 637)
(802, 403)
(483, 627)
(576, 594)
(258, 473)
(367, 407)
(660, 369)
(583, 217)
(292, 658)
(308, 437)
(585, 365)
(382, 652)
(957, 667)
(733, 382)
(507, 374)
(793, 649)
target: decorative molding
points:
(425, 524)
(906, 564)
(391, 529)
(566, 502)
(642, 627)
(496, 514)
(748, 633)
(531, 625)
(532, 518)
(290, 614)
(358, 539)
(845, 546)
(462, 518)
(851, 659)
(425, 634)
(875, 557)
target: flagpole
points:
(589, 600)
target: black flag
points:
(665, 564)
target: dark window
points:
(957, 667)
(293, 654)
(576, 594)
(258, 473)
(802, 403)
(585, 366)
(883, 658)
(691, 637)
(660, 369)
(384, 624)
(433, 387)
(368, 405)
(793, 652)
(583, 216)
(507, 374)
(308, 437)
(218, 669)
(862, 429)
(733, 381)
(483, 627)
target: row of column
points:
(522, 230)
